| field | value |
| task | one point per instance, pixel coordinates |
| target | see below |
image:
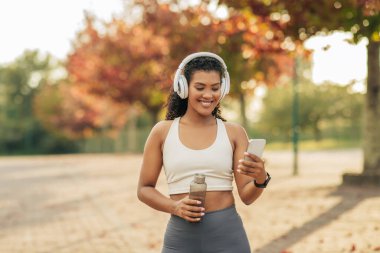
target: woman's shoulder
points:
(237, 134)
(234, 127)
(161, 128)
(235, 131)
(163, 124)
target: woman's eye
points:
(202, 88)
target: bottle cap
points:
(199, 178)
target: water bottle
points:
(198, 189)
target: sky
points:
(51, 25)
(342, 62)
(48, 25)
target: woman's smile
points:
(206, 103)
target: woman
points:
(194, 138)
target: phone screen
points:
(256, 147)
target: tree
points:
(253, 54)
(120, 64)
(324, 104)
(146, 53)
(360, 17)
(185, 30)
(20, 81)
(135, 63)
(251, 48)
(68, 111)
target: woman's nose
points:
(207, 94)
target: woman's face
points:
(204, 91)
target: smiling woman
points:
(195, 139)
(47, 25)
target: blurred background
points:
(94, 76)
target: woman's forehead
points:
(200, 75)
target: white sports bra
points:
(181, 163)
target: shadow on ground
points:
(351, 197)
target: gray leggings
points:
(219, 231)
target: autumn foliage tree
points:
(251, 47)
(136, 63)
(255, 54)
(359, 17)
(71, 112)
(123, 64)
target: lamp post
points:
(295, 112)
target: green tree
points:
(324, 104)
(304, 19)
(20, 81)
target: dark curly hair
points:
(176, 106)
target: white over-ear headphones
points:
(180, 84)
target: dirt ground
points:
(88, 203)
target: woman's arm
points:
(150, 171)
(246, 171)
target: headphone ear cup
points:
(183, 90)
(222, 88)
(226, 81)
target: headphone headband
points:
(180, 84)
(200, 54)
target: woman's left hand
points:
(254, 168)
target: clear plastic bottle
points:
(198, 188)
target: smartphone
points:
(256, 147)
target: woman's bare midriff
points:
(215, 200)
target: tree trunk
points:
(317, 132)
(371, 170)
(242, 110)
(372, 112)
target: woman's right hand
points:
(189, 209)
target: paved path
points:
(87, 203)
